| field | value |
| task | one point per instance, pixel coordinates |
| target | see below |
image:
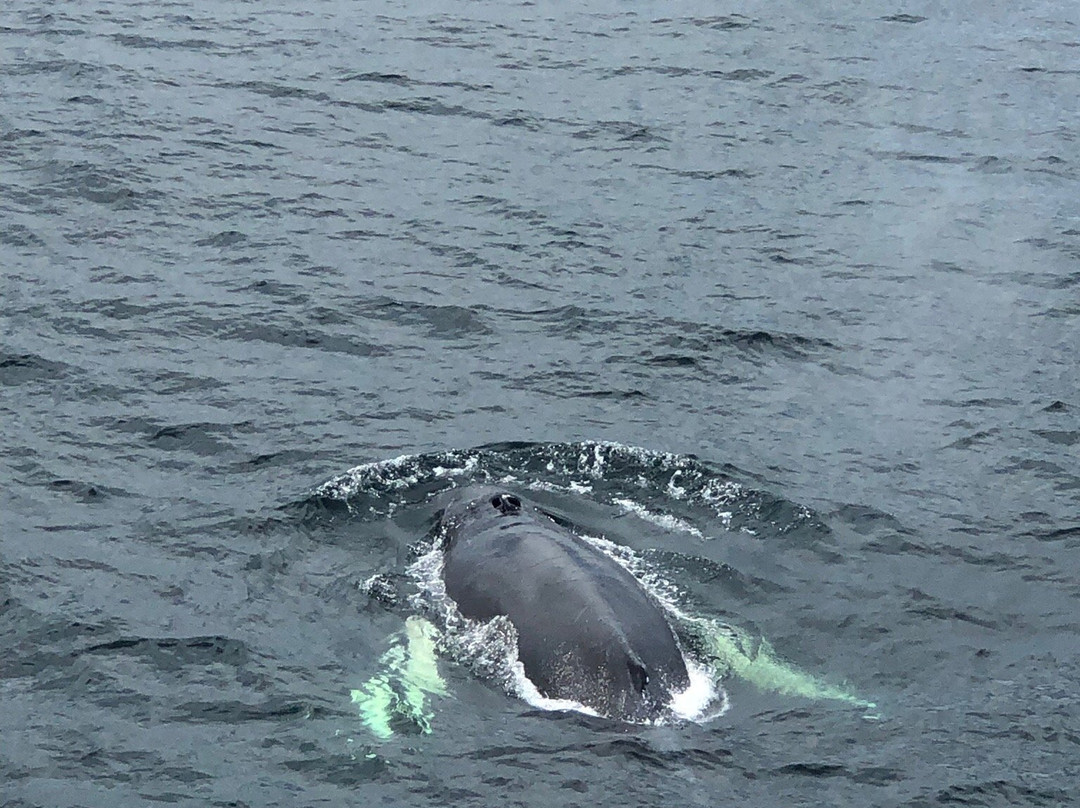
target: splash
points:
(664, 520)
(602, 469)
(398, 697)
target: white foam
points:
(542, 485)
(664, 520)
(598, 457)
(523, 688)
(394, 473)
(703, 699)
(655, 584)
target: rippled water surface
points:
(830, 250)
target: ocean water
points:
(784, 297)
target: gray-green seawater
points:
(819, 262)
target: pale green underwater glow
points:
(408, 674)
(726, 648)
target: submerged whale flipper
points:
(586, 629)
(731, 651)
(397, 696)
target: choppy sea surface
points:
(785, 297)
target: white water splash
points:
(397, 473)
(703, 699)
(664, 520)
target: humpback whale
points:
(586, 629)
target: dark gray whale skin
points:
(587, 631)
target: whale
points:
(587, 631)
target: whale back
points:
(587, 630)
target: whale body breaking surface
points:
(587, 631)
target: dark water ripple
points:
(832, 252)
